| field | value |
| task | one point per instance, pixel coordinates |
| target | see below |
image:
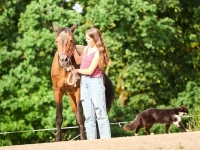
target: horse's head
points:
(65, 43)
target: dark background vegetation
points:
(154, 51)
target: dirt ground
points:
(173, 141)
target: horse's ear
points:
(73, 27)
(55, 27)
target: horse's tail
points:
(133, 125)
(110, 92)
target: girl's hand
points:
(74, 71)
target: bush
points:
(194, 122)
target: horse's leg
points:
(98, 135)
(59, 118)
(78, 110)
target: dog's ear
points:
(181, 106)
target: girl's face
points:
(90, 41)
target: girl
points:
(92, 60)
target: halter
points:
(64, 58)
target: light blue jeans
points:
(94, 106)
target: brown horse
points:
(66, 83)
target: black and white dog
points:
(151, 116)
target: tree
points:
(153, 46)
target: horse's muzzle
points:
(64, 60)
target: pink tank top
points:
(86, 61)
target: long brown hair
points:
(95, 34)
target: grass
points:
(194, 122)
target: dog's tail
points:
(133, 125)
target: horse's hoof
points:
(58, 139)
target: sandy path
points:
(173, 141)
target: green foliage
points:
(190, 97)
(154, 51)
(194, 122)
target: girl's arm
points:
(77, 57)
(93, 65)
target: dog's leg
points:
(137, 130)
(147, 128)
(167, 128)
(177, 122)
(182, 127)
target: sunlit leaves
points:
(153, 47)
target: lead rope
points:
(75, 76)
